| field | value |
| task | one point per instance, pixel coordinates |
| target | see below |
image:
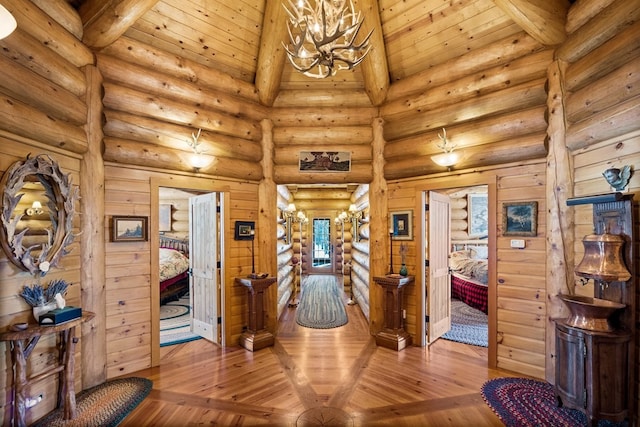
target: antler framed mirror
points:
(38, 206)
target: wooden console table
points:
(22, 344)
(393, 335)
(256, 336)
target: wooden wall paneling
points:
(320, 116)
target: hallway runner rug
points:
(104, 405)
(468, 325)
(321, 303)
(175, 323)
(523, 402)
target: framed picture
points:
(402, 225)
(243, 230)
(520, 219)
(477, 215)
(325, 161)
(164, 218)
(129, 229)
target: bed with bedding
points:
(469, 277)
(174, 268)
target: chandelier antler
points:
(324, 34)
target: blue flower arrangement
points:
(36, 295)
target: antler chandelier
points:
(322, 33)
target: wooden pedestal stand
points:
(393, 335)
(22, 343)
(256, 336)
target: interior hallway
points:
(200, 383)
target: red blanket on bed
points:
(472, 294)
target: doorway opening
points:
(321, 247)
(470, 262)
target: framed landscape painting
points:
(402, 225)
(129, 229)
(520, 219)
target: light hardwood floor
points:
(341, 370)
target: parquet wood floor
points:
(341, 370)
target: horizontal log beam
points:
(504, 127)
(611, 55)
(24, 120)
(614, 88)
(136, 102)
(151, 131)
(308, 137)
(23, 49)
(500, 52)
(49, 33)
(510, 74)
(164, 62)
(528, 147)
(35, 90)
(612, 20)
(149, 155)
(615, 121)
(523, 96)
(337, 98)
(63, 13)
(322, 116)
(157, 83)
(290, 174)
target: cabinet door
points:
(570, 373)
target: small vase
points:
(403, 270)
(39, 310)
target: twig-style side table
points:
(22, 344)
(256, 336)
(393, 335)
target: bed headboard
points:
(479, 246)
(181, 245)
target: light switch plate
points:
(517, 244)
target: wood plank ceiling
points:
(418, 35)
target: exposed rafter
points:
(542, 20)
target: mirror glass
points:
(38, 205)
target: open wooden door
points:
(438, 276)
(204, 249)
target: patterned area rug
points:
(468, 325)
(321, 305)
(175, 323)
(105, 405)
(522, 402)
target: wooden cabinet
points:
(596, 369)
(592, 372)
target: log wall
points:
(152, 114)
(602, 98)
(43, 111)
(288, 277)
(488, 96)
(359, 253)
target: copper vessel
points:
(602, 259)
(589, 313)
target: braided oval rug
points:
(523, 402)
(103, 405)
